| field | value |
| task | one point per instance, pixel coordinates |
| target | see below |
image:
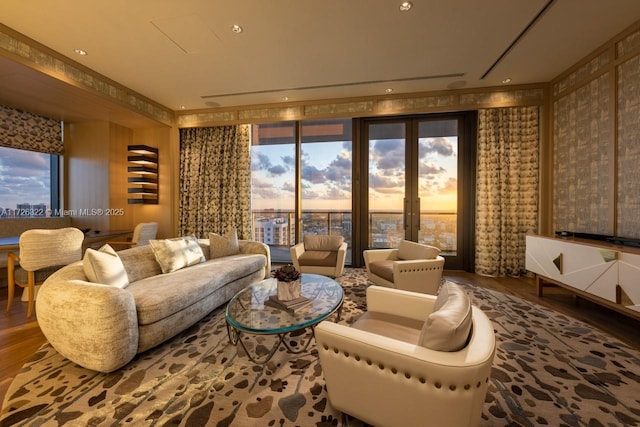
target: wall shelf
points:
(143, 174)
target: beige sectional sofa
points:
(102, 327)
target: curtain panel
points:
(27, 131)
(215, 181)
(507, 188)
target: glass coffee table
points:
(247, 313)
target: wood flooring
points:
(21, 337)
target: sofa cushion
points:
(140, 262)
(318, 258)
(448, 327)
(314, 242)
(174, 254)
(226, 245)
(175, 291)
(412, 250)
(104, 266)
(382, 268)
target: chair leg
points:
(31, 287)
(11, 288)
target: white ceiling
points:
(184, 54)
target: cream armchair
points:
(142, 234)
(412, 267)
(42, 252)
(391, 368)
(320, 254)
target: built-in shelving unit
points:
(143, 174)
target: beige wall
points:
(96, 177)
(595, 118)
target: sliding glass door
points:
(413, 184)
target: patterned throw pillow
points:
(174, 254)
(223, 245)
(104, 266)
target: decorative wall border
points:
(37, 56)
(454, 100)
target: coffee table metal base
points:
(235, 337)
(247, 314)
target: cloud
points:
(277, 170)
(430, 169)
(385, 185)
(388, 154)
(259, 161)
(441, 146)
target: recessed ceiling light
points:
(388, 90)
(182, 107)
(405, 6)
(236, 29)
(285, 98)
(507, 80)
(81, 52)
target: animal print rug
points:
(549, 370)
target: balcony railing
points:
(386, 229)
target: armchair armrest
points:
(103, 319)
(255, 247)
(12, 259)
(420, 275)
(372, 255)
(398, 302)
(342, 256)
(295, 251)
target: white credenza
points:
(604, 273)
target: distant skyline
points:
(25, 177)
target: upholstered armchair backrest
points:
(41, 248)
(408, 250)
(314, 242)
(144, 232)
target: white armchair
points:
(379, 371)
(412, 267)
(320, 254)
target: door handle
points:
(405, 223)
(418, 212)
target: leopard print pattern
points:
(549, 369)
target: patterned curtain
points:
(507, 188)
(215, 181)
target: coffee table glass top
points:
(247, 312)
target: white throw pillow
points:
(448, 327)
(105, 266)
(226, 245)
(174, 254)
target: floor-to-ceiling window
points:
(273, 186)
(419, 185)
(326, 189)
(301, 182)
(414, 181)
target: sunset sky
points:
(326, 175)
